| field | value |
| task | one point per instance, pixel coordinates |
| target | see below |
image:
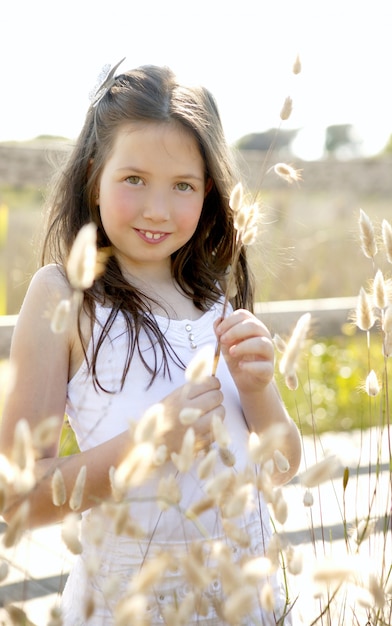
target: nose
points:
(156, 206)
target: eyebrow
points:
(141, 172)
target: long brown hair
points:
(149, 93)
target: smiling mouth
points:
(148, 234)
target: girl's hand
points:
(207, 398)
(247, 347)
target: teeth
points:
(150, 235)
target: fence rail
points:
(328, 317)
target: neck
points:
(168, 299)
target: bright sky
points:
(51, 53)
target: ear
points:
(209, 185)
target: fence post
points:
(3, 257)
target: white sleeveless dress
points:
(101, 574)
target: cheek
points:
(117, 207)
(189, 219)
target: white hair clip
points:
(104, 82)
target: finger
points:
(203, 427)
(203, 401)
(236, 317)
(262, 369)
(224, 324)
(243, 329)
(209, 402)
(218, 411)
(256, 348)
(202, 444)
(194, 390)
(217, 322)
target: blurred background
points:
(308, 246)
(339, 133)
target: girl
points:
(152, 171)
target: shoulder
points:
(50, 278)
(48, 287)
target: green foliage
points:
(16, 198)
(341, 139)
(388, 146)
(49, 138)
(20, 232)
(276, 137)
(68, 443)
(331, 394)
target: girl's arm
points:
(40, 363)
(249, 352)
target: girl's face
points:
(151, 194)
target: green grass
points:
(331, 394)
(21, 199)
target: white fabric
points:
(97, 416)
